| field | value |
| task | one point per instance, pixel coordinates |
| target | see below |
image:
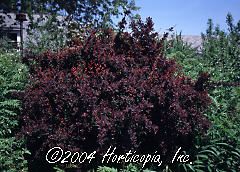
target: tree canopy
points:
(92, 12)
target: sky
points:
(188, 16)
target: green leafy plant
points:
(219, 150)
(5, 46)
(12, 79)
(131, 168)
(186, 55)
(221, 53)
(48, 35)
(221, 50)
(215, 157)
(106, 169)
(128, 168)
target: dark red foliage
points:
(111, 89)
(202, 81)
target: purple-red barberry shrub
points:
(111, 89)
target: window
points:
(11, 36)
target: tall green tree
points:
(60, 20)
(221, 49)
(93, 12)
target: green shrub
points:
(221, 51)
(221, 55)
(12, 78)
(5, 46)
(219, 151)
(106, 169)
(128, 168)
(187, 56)
(215, 156)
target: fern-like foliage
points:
(12, 78)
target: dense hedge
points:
(112, 89)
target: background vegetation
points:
(13, 77)
(220, 57)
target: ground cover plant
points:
(112, 89)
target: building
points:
(10, 26)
